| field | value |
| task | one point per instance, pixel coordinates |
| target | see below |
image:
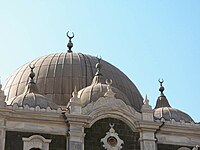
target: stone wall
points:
(99, 129)
(14, 140)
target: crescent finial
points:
(109, 82)
(160, 81)
(32, 66)
(70, 37)
(32, 74)
(111, 125)
(70, 44)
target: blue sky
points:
(145, 39)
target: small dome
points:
(33, 100)
(164, 110)
(31, 97)
(169, 113)
(96, 90)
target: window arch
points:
(35, 148)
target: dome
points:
(164, 110)
(98, 89)
(169, 113)
(56, 75)
(33, 100)
(31, 97)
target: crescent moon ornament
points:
(111, 125)
(32, 66)
(70, 37)
(161, 81)
(109, 82)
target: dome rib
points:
(55, 74)
(63, 64)
(46, 74)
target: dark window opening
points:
(35, 149)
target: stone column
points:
(2, 119)
(2, 133)
(147, 128)
(76, 137)
(147, 139)
(76, 129)
(2, 138)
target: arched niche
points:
(98, 130)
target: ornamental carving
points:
(112, 141)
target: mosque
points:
(75, 101)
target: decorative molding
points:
(181, 123)
(31, 109)
(110, 103)
(36, 141)
(109, 107)
(183, 139)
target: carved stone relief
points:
(112, 141)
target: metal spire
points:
(98, 66)
(70, 44)
(32, 74)
(161, 89)
(98, 78)
(31, 87)
(162, 100)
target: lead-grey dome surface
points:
(98, 89)
(164, 110)
(33, 100)
(58, 74)
(169, 113)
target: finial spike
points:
(31, 87)
(75, 93)
(146, 100)
(162, 100)
(32, 74)
(70, 44)
(161, 89)
(98, 66)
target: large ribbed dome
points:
(58, 74)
